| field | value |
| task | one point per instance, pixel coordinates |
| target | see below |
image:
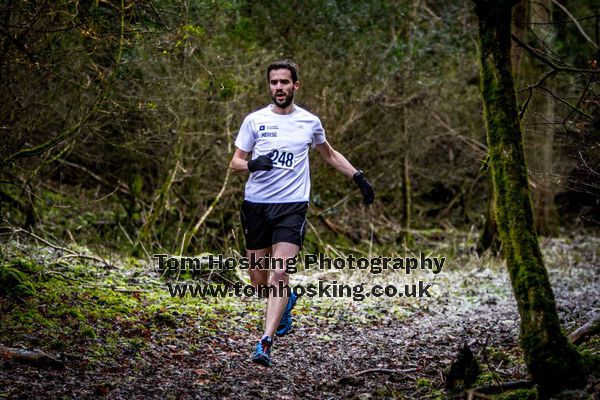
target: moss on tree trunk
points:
(552, 360)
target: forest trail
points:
(338, 348)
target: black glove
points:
(261, 163)
(365, 187)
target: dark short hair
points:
(281, 64)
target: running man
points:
(277, 192)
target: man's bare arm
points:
(339, 162)
(238, 162)
(261, 163)
(336, 159)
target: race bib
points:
(283, 159)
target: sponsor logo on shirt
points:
(263, 127)
(269, 134)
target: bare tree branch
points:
(539, 55)
(530, 89)
(571, 106)
(587, 166)
(577, 24)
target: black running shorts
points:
(267, 223)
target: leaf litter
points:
(162, 347)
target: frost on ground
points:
(162, 347)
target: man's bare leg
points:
(258, 276)
(276, 304)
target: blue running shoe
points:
(285, 324)
(262, 354)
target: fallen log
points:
(33, 357)
(587, 330)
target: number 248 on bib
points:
(283, 159)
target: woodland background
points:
(117, 123)
(138, 103)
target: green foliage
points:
(497, 356)
(486, 378)
(423, 382)
(14, 278)
(91, 316)
(14, 282)
(519, 394)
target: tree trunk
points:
(407, 239)
(406, 188)
(538, 129)
(540, 117)
(553, 362)
(488, 239)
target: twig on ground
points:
(33, 235)
(385, 371)
(120, 290)
(60, 276)
(93, 258)
(71, 253)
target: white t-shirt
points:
(289, 138)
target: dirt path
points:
(330, 344)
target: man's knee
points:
(256, 281)
(259, 278)
(279, 275)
